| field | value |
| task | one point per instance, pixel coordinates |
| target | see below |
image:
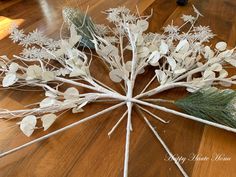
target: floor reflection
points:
(5, 25)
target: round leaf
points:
(9, 80)
(48, 120)
(27, 125)
(221, 46)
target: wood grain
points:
(86, 150)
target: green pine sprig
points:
(211, 104)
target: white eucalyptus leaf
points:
(71, 93)
(223, 73)
(208, 52)
(33, 72)
(9, 80)
(171, 62)
(143, 52)
(47, 102)
(208, 74)
(221, 46)
(116, 75)
(27, 125)
(154, 58)
(161, 76)
(48, 76)
(13, 67)
(183, 46)
(142, 24)
(164, 48)
(128, 66)
(48, 120)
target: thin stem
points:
(158, 100)
(162, 88)
(162, 108)
(117, 123)
(164, 145)
(61, 130)
(153, 115)
(149, 83)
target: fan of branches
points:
(179, 59)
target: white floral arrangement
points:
(179, 59)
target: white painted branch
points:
(61, 130)
(153, 115)
(117, 123)
(165, 146)
(128, 127)
(162, 108)
(149, 83)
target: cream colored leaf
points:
(48, 76)
(223, 73)
(142, 24)
(208, 52)
(183, 46)
(143, 52)
(116, 75)
(13, 67)
(71, 93)
(33, 72)
(47, 102)
(164, 48)
(27, 125)
(208, 74)
(171, 62)
(9, 80)
(128, 66)
(48, 120)
(221, 46)
(161, 76)
(154, 58)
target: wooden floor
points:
(86, 150)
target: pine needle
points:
(211, 104)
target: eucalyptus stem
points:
(61, 130)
